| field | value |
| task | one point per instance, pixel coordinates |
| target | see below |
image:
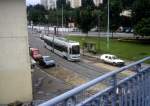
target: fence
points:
(111, 89)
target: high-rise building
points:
(44, 3)
(49, 4)
(75, 3)
(97, 2)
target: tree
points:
(143, 27)
(127, 4)
(64, 3)
(140, 10)
(36, 14)
(115, 10)
(85, 19)
(87, 4)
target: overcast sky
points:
(33, 2)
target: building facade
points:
(97, 2)
(78, 3)
(75, 3)
(49, 4)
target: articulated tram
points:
(63, 47)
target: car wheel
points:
(102, 60)
(54, 65)
(114, 64)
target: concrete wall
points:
(15, 74)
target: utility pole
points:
(57, 23)
(108, 25)
(47, 18)
(99, 32)
(62, 18)
(54, 37)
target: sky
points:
(32, 2)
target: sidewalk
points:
(97, 56)
(46, 86)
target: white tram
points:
(63, 47)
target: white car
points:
(111, 59)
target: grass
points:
(125, 50)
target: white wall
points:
(15, 74)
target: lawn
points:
(125, 50)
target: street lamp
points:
(62, 18)
(108, 25)
(47, 18)
(99, 48)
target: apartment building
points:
(49, 4)
(97, 2)
(75, 3)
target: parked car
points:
(35, 54)
(46, 61)
(41, 36)
(112, 59)
(128, 30)
(33, 63)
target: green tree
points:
(115, 10)
(85, 19)
(36, 14)
(64, 3)
(140, 10)
(127, 4)
(87, 4)
(143, 27)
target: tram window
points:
(75, 49)
(56, 46)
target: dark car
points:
(46, 61)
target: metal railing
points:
(111, 89)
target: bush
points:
(143, 27)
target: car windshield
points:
(114, 57)
(47, 58)
(76, 49)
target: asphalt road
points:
(84, 69)
(54, 85)
(91, 33)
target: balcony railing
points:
(116, 88)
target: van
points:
(35, 54)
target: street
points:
(67, 32)
(66, 75)
(86, 69)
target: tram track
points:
(80, 68)
(85, 69)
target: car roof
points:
(45, 56)
(107, 55)
(34, 49)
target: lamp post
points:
(108, 25)
(99, 48)
(62, 17)
(46, 17)
(32, 25)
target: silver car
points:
(47, 61)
